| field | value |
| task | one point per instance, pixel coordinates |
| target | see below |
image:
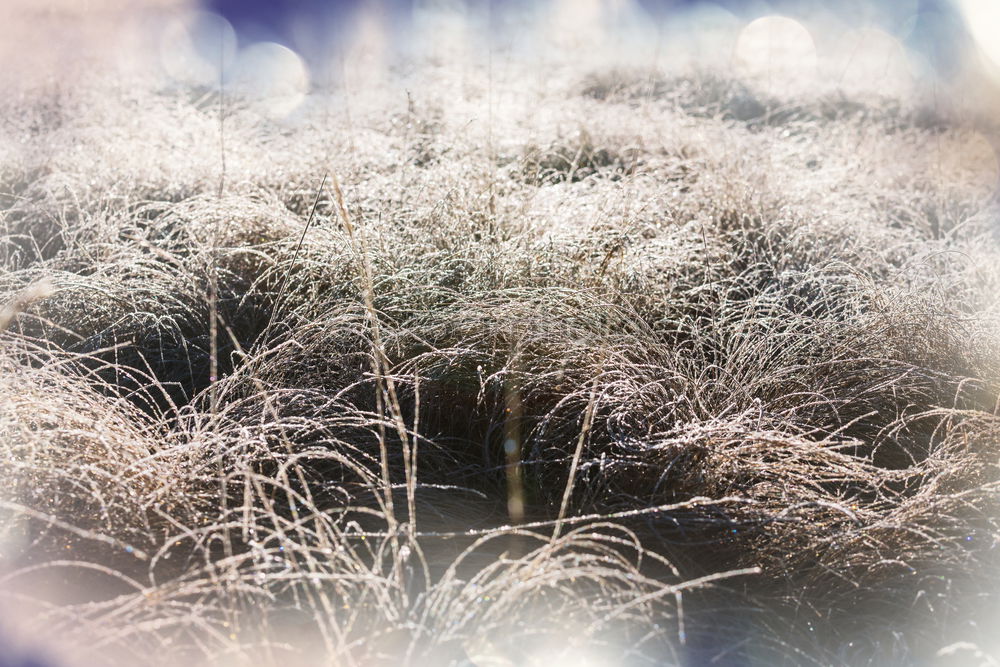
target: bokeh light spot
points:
(272, 77)
(778, 50)
(197, 48)
(701, 36)
(870, 60)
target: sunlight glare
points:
(482, 653)
(367, 59)
(194, 46)
(982, 17)
(703, 36)
(778, 50)
(576, 23)
(441, 32)
(273, 77)
(872, 61)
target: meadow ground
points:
(497, 362)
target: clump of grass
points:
(576, 160)
(713, 94)
(701, 94)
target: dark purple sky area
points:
(317, 27)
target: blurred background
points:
(889, 46)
